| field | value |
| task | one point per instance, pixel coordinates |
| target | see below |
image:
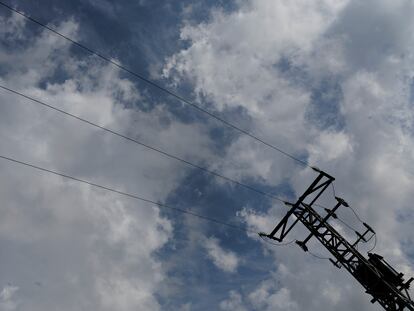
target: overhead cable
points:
(158, 150)
(375, 244)
(333, 189)
(275, 244)
(133, 196)
(317, 256)
(163, 153)
(346, 224)
(352, 209)
(356, 215)
(156, 85)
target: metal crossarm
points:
(318, 186)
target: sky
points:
(331, 82)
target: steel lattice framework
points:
(380, 280)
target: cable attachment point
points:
(342, 201)
(316, 169)
(329, 211)
(335, 263)
(302, 245)
(262, 234)
(361, 237)
(368, 227)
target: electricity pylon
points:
(380, 280)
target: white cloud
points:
(12, 26)
(224, 260)
(234, 302)
(266, 57)
(185, 307)
(330, 146)
(266, 297)
(7, 301)
(88, 249)
(235, 60)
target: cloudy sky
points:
(329, 81)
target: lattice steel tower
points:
(380, 280)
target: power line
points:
(355, 230)
(352, 209)
(333, 189)
(356, 215)
(317, 256)
(156, 85)
(172, 157)
(276, 244)
(359, 219)
(346, 225)
(167, 155)
(171, 93)
(133, 196)
(371, 237)
(375, 244)
(164, 153)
